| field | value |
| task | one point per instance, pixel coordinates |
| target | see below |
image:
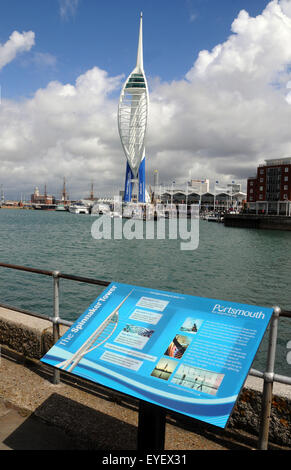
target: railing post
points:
(268, 382)
(56, 318)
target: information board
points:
(185, 353)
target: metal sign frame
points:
(183, 353)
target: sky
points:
(219, 81)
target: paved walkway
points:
(21, 432)
(35, 414)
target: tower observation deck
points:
(132, 123)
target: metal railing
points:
(55, 319)
(269, 376)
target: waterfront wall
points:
(26, 334)
(273, 222)
(32, 338)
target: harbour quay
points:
(258, 221)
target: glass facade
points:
(273, 184)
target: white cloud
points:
(68, 8)
(258, 49)
(232, 110)
(17, 43)
(44, 59)
(63, 130)
(286, 7)
(193, 17)
(229, 113)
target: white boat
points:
(127, 212)
(104, 209)
(111, 214)
(215, 218)
(115, 214)
(79, 208)
(61, 207)
(100, 209)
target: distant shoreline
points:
(15, 207)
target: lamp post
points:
(173, 182)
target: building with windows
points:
(208, 201)
(233, 188)
(199, 186)
(270, 190)
(37, 198)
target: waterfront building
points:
(42, 201)
(37, 198)
(196, 191)
(199, 186)
(208, 201)
(233, 188)
(270, 190)
(132, 124)
(183, 192)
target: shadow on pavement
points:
(61, 424)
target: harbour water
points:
(243, 265)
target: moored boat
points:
(61, 207)
(79, 208)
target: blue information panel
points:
(188, 354)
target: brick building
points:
(271, 185)
(37, 198)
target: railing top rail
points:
(53, 273)
(285, 313)
(84, 279)
(26, 268)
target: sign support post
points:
(56, 317)
(151, 427)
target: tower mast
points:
(139, 59)
(132, 124)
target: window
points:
(285, 178)
(261, 188)
(260, 196)
(261, 180)
(261, 172)
(284, 196)
(252, 183)
(285, 187)
(251, 191)
(286, 169)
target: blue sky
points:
(219, 74)
(105, 34)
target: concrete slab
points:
(20, 432)
(279, 389)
